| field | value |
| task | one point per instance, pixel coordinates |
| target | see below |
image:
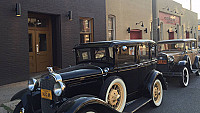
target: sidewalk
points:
(7, 91)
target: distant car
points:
(108, 76)
(178, 57)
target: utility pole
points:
(190, 5)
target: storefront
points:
(174, 21)
(36, 34)
(128, 19)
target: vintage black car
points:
(110, 76)
(178, 57)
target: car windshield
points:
(95, 55)
(171, 47)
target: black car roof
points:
(176, 40)
(113, 42)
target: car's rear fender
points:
(80, 102)
(152, 76)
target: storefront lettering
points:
(169, 19)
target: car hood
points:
(78, 71)
(170, 53)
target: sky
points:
(195, 5)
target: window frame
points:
(91, 33)
(113, 30)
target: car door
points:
(189, 51)
(194, 49)
(145, 63)
(127, 67)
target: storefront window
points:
(86, 30)
(111, 27)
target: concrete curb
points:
(10, 106)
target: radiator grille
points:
(46, 105)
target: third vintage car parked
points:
(108, 76)
(178, 57)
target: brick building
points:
(45, 34)
(46, 31)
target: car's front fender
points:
(19, 94)
(30, 100)
(80, 102)
(152, 76)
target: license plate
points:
(162, 62)
(46, 94)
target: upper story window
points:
(111, 27)
(144, 52)
(86, 30)
(126, 55)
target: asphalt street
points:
(178, 99)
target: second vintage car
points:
(178, 57)
(110, 76)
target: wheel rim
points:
(157, 92)
(116, 96)
(185, 76)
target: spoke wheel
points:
(157, 92)
(113, 92)
(185, 77)
(116, 96)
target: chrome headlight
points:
(58, 88)
(32, 84)
(171, 59)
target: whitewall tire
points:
(114, 93)
(157, 93)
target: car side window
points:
(188, 46)
(144, 52)
(126, 55)
(194, 45)
(153, 51)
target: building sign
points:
(169, 19)
(198, 27)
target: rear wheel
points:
(184, 80)
(157, 93)
(114, 93)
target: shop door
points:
(39, 50)
(187, 35)
(136, 34)
(171, 35)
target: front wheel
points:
(184, 80)
(19, 108)
(114, 93)
(157, 93)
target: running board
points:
(136, 104)
(194, 70)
